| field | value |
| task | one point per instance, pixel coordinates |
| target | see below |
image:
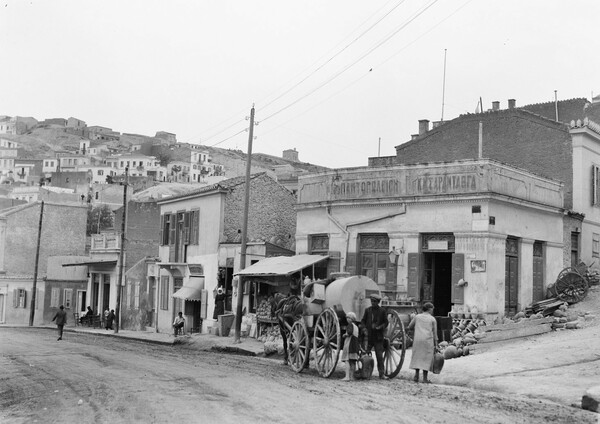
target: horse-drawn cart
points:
(319, 321)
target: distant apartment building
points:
(7, 160)
(49, 165)
(9, 144)
(72, 162)
(61, 122)
(291, 154)
(167, 136)
(96, 132)
(25, 193)
(27, 171)
(75, 123)
(16, 124)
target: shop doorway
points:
(511, 278)
(437, 281)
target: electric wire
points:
(334, 76)
(308, 67)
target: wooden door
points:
(538, 279)
(511, 285)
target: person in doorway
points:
(425, 341)
(109, 319)
(178, 324)
(61, 320)
(374, 324)
(219, 303)
(351, 346)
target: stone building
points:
(455, 233)
(63, 234)
(197, 232)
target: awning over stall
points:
(191, 290)
(281, 265)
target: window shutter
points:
(594, 188)
(196, 227)
(24, 298)
(186, 227)
(414, 276)
(458, 272)
(161, 230)
(172, 227)
(15, 298)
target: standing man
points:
(61, 319)
(374, 322)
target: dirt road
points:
(93, 379)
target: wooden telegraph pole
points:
(240, 289)
(122, 250)
(35, 272)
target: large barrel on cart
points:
(319, 330)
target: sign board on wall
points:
(438, 245)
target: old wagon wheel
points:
(394, 346)
(327, 341)
(298, 346)
(571, 287)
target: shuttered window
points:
(136, 296)
(55, 297)
(19, 298)
(68, 294)
(164, 293)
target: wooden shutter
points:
(196, 227)
(458, 272)
(172, 228)
(414, 275)
(186, 227)
(161, 239)
(15, 298)
(538, 278)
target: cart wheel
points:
(327, 341)
(298, 346)
(394, 346)
(571, 287)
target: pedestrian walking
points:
(374, 324)
(424, 343)
(351, 346)
(219, 303)
(61, 319)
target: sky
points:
(338, 80)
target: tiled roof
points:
(568, 110)
(221, 185)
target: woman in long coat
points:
(425, 341)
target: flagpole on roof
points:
(444, 86)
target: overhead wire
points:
(314, 71)
(337, 74)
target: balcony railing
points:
(105, 241)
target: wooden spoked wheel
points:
(571, 287)
(327, 342)
(298, 346)
(394, 345)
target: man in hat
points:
(374, 323)
(61, 319)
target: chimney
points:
(496, 105)
(511, 103)
(423, 126)
(413, 136)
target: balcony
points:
(105, 242)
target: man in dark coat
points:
(374, 323)
(61, 319)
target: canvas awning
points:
(113, 263)
(281, 265)
(191, 290)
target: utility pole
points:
(122, 250)
(379, 148)
(35, 272)
(240, 290)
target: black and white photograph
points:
(299, 212)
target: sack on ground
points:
(438, 363)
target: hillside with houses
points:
(77, 162)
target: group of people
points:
(374, 324)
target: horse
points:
(287, 309)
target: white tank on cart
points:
(350, 294)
